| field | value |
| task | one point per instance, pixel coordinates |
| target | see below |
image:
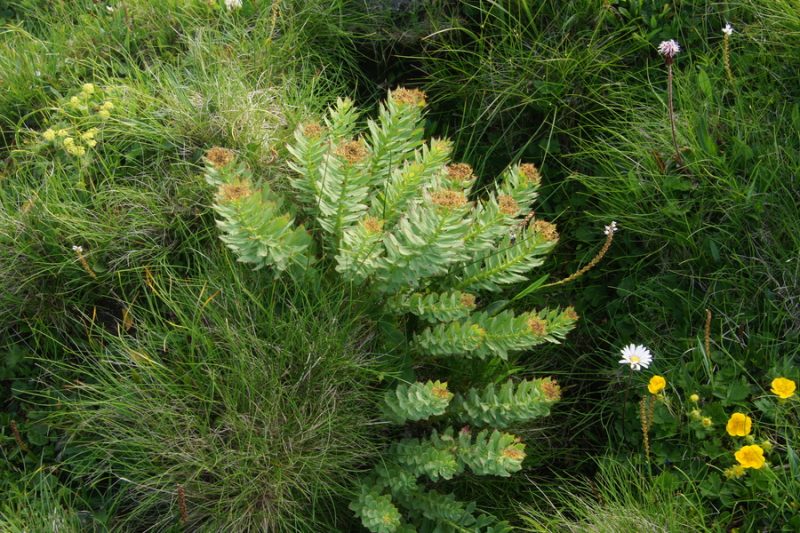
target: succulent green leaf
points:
(376, 511)
(514, 257)
(491, 453)
(417, 401)
(510, 404)
(434, 306)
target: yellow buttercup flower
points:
(707, 422)
(104, 113)
(750, 456)
(657, 384)
(88, 88)
(694, 398)
(49, 134)
(739, 425)
(783, 388)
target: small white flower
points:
(669, 49)
(637, 356)
(110, 9)
(611, 228)
(78, 249)
(233, 4)
(728, 29)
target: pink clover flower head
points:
(669, 49)
(636, 356)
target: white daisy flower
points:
(637, 356)
(669, 49)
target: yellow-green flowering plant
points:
(74, 130)
(76, 125)
(389, 212)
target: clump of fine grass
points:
(255, 402)
(41, 503)
(622, 497)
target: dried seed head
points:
(219, 157)
(230, 192)
(442, 145)
(413, 97)
(545, 229)
(478, 331)
(460, 172)
(551, 389)
(352, 151)
(449, 199)
(570, 313)
(508, 205)
(468, 300)
(512, 452)
(440, 391)
(373, 225)
(538, 326)
(312, 130)
(530, 173)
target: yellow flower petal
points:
(657, 384)
(739, 425)
(783, 388)
(750, 456)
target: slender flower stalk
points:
(17, 436)
(609, 232)
(669, 49)
(727, 31)
(646, 410)
(707, 335)
(182, 505)
(84, 263)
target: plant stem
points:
(678, 158)
(726, 58)
(625, 401)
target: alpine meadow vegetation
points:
(316, 266)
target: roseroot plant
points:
(393, 215)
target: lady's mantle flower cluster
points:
(86, 106)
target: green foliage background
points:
(576, 87)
